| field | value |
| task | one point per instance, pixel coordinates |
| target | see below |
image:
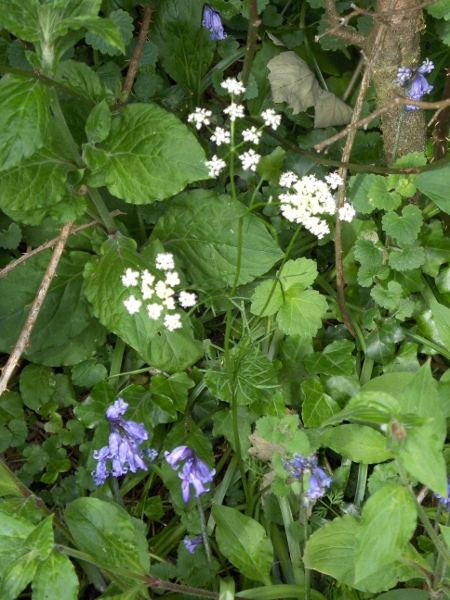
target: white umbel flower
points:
(165, 261)
(221, 136)
(347, 212)
(233, 86)
(252, 135)
(172, 322)
(215, 166)
(200, 117)
(271, 119)
(234, 111)
(172, 278)
(132, 305)
(288, 179)
(130, 278)
(334, 180)
(154, 311)
(186, 299)
(250, 160)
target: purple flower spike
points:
(123, 449)
(299, 466)
(194, 471)
(213, 22)
(191, 545)
(415, 82)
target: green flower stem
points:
(361, 485)
(304, 520)
(418, 338)
(441, 565)
(293, 545)
(281, 552)
(209, 557)
(102, 210)
(116, 362)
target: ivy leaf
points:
(387, 298)
(381, 197)
(149, 155)
(407, 258)
(404, 229)
(110, 37)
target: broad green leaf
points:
(370, 252)
(244, 542)
(11, 237)
(175, 387)
(403, 228)
(293, 82)
(182, 41)
(18, 574)
(407, 258)
(81, 78)
(149, 155)
(24, 118)
(336, 359)
(98, 124)
(55, 579)
(108, 533)
(40, 541)
(358, 443)
(406, 594)
(65, 332)
(302, 313)
(436, 185)
(441, 316)
(167, 350)
(370, 406)
(201, 227)
(388, 521)
(14, 531)
(437, 247)
(91, 412)
(253, 380)
(88, 373)
(9, 485)
(358, 195)
(440, 9)
(110, 36)
(270, 166)
(317, 406)
(37, 385)
(381, 197)
(331, 550)
(21, 18)
(329, 110)
(387, 298)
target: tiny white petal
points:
(186, 299)
(172, 322)
(132, 305)
(154, 311)
(165, 261)
(130, 278)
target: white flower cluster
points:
(310, 197)
(200, 117)
(233, 86)
(162, 289)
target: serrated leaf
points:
(407, 258)
(110, 37)
(151, 155)
(387, 298)
(302, 313)
(440, 9)
(330, 111)
(21, 19)
(317, 406)
(200, 227)
(388, 521)
(12, 237)
(244, 542)
(369, 274)
(55, 579)
(381, 197)
(404, 229)
(24, 118)
(81, 78)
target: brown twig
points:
(134, 62)
(6, 270)
(25, 334)
(336, 22)
(440, 106)
(340, 281)
(440, 132)
(252, 34)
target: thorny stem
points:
(252, 34)
(25, 334)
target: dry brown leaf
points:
(330, 110)
(292, 81)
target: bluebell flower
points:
(318, 481)
(415, 82)
(194, 472)
(191, 545)
(123, 449)
(213, 22)
(443, 500)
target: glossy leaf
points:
(55, 579)
(358, 443)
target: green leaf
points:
(37, 385)
(223, 426)
(11, 238)
(254, 380)
(88, 373)
(150, 155)
(302, 313)
(14, 531)
(388, 521)
(98, 124)
(370, 251)
(437, 248)
(441, 316)
(244, 542)
(18, 574)
(175, 387)
(436, 185)
(110, 36)
(336, 359)
(55, 579)
(317, 406)
(81, 78)
(21, 18)
(405, 228)
(108, 533)
(358, 443)
(269, 167)
(24, 118)
(387, 298)
(183, 41)
(406, 259)
(40, 541)
(381, 197)
(201, 227)
(65, 332)
(91, 412)
(370, 406)
(359, 193)
(9, 486)
(167, 350)
(440, 9)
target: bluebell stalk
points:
(314, 487)
(213, 22)
(442, 499)
(191, 545)
(194, 471)
(415, 82)
(123, 449)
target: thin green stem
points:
(116, 362)
(102, 210)
(208, 552)
(441, 565)
(293, 545)
(361, 485)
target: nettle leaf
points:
(183, 41)
(388, 521)
(244, 542)
(24, 118)
(150, 155)
(317, 406)
(436, 185)
(336, 359)
(167, 350)
(65, 332)
(359, 443)
(387, 298)
(381, 197)
(254, 380)
(110, 36)
(404, 229)
(200, 226)
(80, 77)
(407, 258)
(21, 19)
